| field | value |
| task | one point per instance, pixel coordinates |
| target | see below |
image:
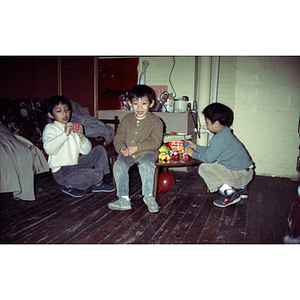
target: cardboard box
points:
(176, 146)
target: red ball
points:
(165, 181)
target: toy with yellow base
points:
(164, 153)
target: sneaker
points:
(103, 187)
(243, 192)
(151, 203)
(73, 192)
(224, 201)
(121, 204)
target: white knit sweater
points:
(63, 150)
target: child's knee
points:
(146, 167)
(120, 167)
(99, 150)
(203, 169)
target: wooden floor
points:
(187, 215)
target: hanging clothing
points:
(19, 161)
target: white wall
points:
(263, 92)
(182, 79)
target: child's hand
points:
(189, 150)
(68, 128)
(124, 151)
(132, 149)
(128, 151)
(192, 145)
(80, 132)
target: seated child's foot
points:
(151, 203)
(121, 204)
(224, 201)
(243, 192)
(103, 187)
(73, 192)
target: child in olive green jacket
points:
(138, 139)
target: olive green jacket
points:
(146, 134)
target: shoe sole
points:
(102, 191)
(244, 196)
(118, 208)
(72, 194)
(233, 202)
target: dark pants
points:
(89, 171)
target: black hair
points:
(219, 112)
(140, 91)
(53, 101)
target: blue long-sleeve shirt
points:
(226, 149)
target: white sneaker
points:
(151, 203)
(121, 204)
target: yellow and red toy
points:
(164, 153)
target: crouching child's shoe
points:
(73, 192)
(121, 204)
(103, 187)
(151, 203)
(227, 200)
(243, 192)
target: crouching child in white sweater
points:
(64, 143)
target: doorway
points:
(116, 76)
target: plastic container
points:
(185, 155)
(175, 156)
(75, 127)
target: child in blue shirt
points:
(227, 166)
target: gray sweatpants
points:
(216, 175)
(89, 171)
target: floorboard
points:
(187, 215)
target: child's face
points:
(210, 126)
(61, 113)
(213, 127)
(140, 106)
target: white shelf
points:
(175, 122)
